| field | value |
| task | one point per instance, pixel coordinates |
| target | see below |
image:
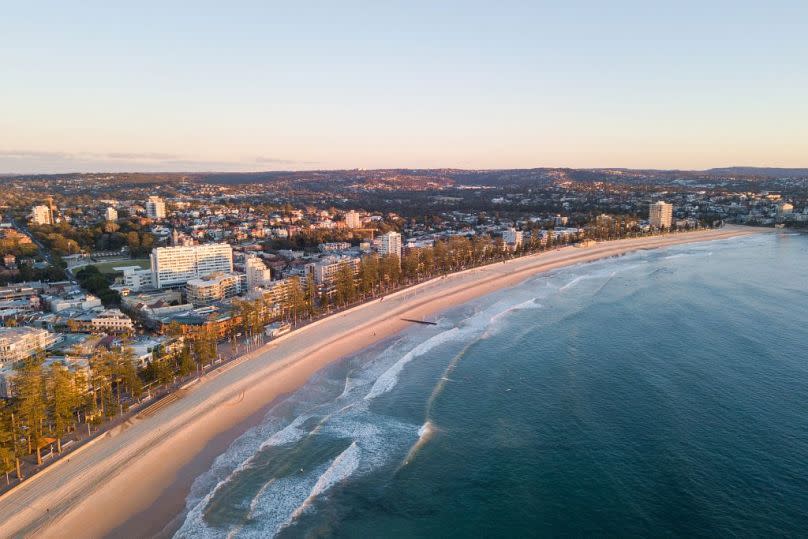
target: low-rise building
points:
(136, 278)
(111, 321)
(19, 343)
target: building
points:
(785, 208)
(327, 269)
(75, 299)
(111, 321)
(660, 214)
(258, 274)
(390, 244)
(217, 320)
(512, 237)
(352, 219)
(275, 292)
(334, 246)
(23, 342)
(111, 214)
(175, 266)
(155, 208)
(41, 215)
(136, 278)
(212, 288)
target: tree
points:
(345, 285)
(30, 386)
(310, 292)
(296, 300)
(186, 361)
(64, 398)
(8, 444)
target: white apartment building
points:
(326, 270)
(175, 266)
(155, 208)
(23, 342)
(660, 214)
(512, 237)
(258, 274)
(352, 219)
(213, 288)
(111, 214)
(390, 244)
(136, 278)
(41, 215)
(84, 302)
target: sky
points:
(243, 86)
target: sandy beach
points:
(133, 481)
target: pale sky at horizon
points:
(193, 86)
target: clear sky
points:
(237, 85)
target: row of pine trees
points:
(51, 402)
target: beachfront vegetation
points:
(50, 402)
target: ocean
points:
(660, 393)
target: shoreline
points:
(153, 457)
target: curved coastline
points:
(122, 476)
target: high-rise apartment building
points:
(175, 266)
(660, 214)
(258, 274)
(41, 215)
(111, 214)
(352, 219)
(155, 208)
(390, 244)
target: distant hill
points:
(768, 172)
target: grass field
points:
(106, 267)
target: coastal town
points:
(117, 291)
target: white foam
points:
(425, 433)
(573, 282)
(342, 467)
(389, 378)
(525, 305)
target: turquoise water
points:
(659, 393)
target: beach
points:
(133, 481)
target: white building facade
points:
(155, 208)
(41, 215)
(175, 266)
(352, 219)
(258, 274)
(213, 288)
(660, 214)
(23, 342)
(390, 244)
